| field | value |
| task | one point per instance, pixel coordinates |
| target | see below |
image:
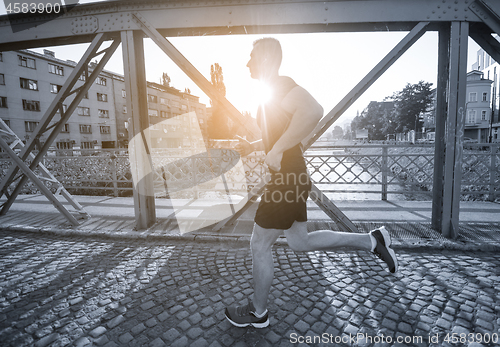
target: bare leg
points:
(324, 240)
(262, 264)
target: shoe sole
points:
(255, 325)
(387, 241)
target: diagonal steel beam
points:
(488, 12)
(366, 82)
(486, 41)
(45, 122)
(323, 202)
(193, 73)
(29, 173)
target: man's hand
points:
(273, 160)
(243, 146)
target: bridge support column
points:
(139, 140)
(454, 130)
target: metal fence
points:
(350, 172)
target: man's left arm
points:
(307, 112)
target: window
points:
(85, 129)
(82, 77)
(65, 107)
(124, 109)
(153, 113)
(87, 145)
(124, 93)
(471, 117)
(102, 97)
(163, 101)
(86, 96)
(7, 122)
(103, 113)
(201, 121)
(31, 105)
(1, 56)
(472, 97)
(30, 126)
(485, 96)
(83, 111)
(56, 69)
(2, 79)
(105, 129)
(65, 128)
(3, 101)
(483, 115)
(55, 88)
(164, 114)
(152, 98)
(27, 62)
(100, 80)
(28, 84)
(64, 145)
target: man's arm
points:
(307, 112)
(244, 147)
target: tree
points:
(409, 103)
(374, 118)
(165, 79)
(337, 132)
(219, 124)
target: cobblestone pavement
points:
(61, 291)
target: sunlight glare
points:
(264, 93)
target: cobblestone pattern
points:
(62, 291)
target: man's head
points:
(265, 59)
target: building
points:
(478, 111)
(29, 81)
(490, 69)
(477, 107)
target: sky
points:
(328, 65)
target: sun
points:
(264, 92)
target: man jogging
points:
(288, 118)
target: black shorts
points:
(285, 196)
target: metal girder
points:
(31, 175)
(488, 12)
(441, 116)
(44, 124)
(5, 130)
(223, 17)
(193, 73)
(454, 132)
(484, 39)
(366, 82)
(139, 141)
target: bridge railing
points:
(342, 172)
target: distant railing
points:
(343, 172)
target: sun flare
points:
(264, 93)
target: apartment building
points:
(29, 81)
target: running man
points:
(289, 117)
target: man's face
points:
(256, 63)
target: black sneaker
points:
(383, 249)
(243, 316)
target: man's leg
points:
(324, 240)
(262, 264)
(255, 312)
(378, 241)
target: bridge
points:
(128, 22)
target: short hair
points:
(271, 48)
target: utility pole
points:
(493, 107)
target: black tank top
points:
(272, 119)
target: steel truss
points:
(454, 20)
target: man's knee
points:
(263, 239)
(297, 237)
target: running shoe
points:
(383, 249)
(243, 316)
